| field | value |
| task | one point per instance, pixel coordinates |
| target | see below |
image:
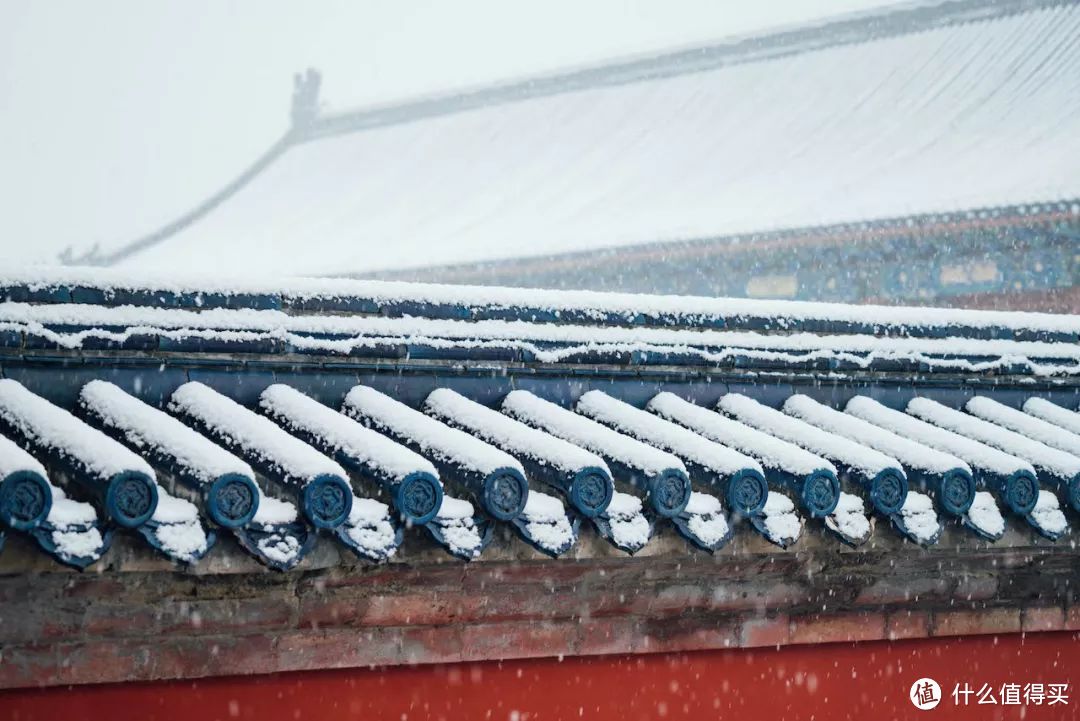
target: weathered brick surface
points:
(67, 628)
(829, 628)
(774, 631)
(1043, 619)
(907, 624)
(898, 591)
(974, 622)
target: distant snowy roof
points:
(930, 109)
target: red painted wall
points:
(830, 681)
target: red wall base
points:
(828, 681)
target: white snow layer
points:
(585, 432)
(171, 509)
(772, 452)
(178, 528)
(1015, 432)
(455, 508)
(13, 459)
(509, 434)
(908, 452)
(67, 513)
(274, 511)
(298, 412)
(279, 547)
(590, 303)
(58, 430)
(650, 428)
(459, 530)
(995, 440)
(975, 454)
(432, 436)
(707, 520)
(145, 426)
(1047, 513)
(258, 436)
(1053, 413)
(370, 528)
(849, 518)
(782, 523)
(702, 504)
(85, 543)
(546, 521)
(1025, 424)
(629, 527)
(919, 517)
(359, 331)
(794, 430)
(985, 515)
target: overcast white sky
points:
(117, 116)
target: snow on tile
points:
(1004, 428)
(707, 522)
(458, 528)
(702, 504)
(279, 548)
(991, 438)
(66, 512)
(1026, 424)
(509, 434)
(985, 515)
(690, 310)
(56, 430)
(455, 509)
(548, 342)
(908, 452)
(183, 541)
(587, 433)
(1047, 514)
(274, 511)
(171, 509)
(919, 517)
(144, 426)
(770, 451)
(370, 528)
(1053, 413)
(781, 522)
(794, 430)
(974, 453)
(671, 437)
(14, 459)
(301, 413)
(177, 527)
(431, 436)
(849, 518)
(546, 522)
(72, 544)
(629, 527)
(258, 437)
(624, 504)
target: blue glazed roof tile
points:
(266, 450)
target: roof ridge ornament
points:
(305, 98)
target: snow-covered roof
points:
(332, 319)
(177, 529)
(253, 382)
(945, 108)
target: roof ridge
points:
(848, 29)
